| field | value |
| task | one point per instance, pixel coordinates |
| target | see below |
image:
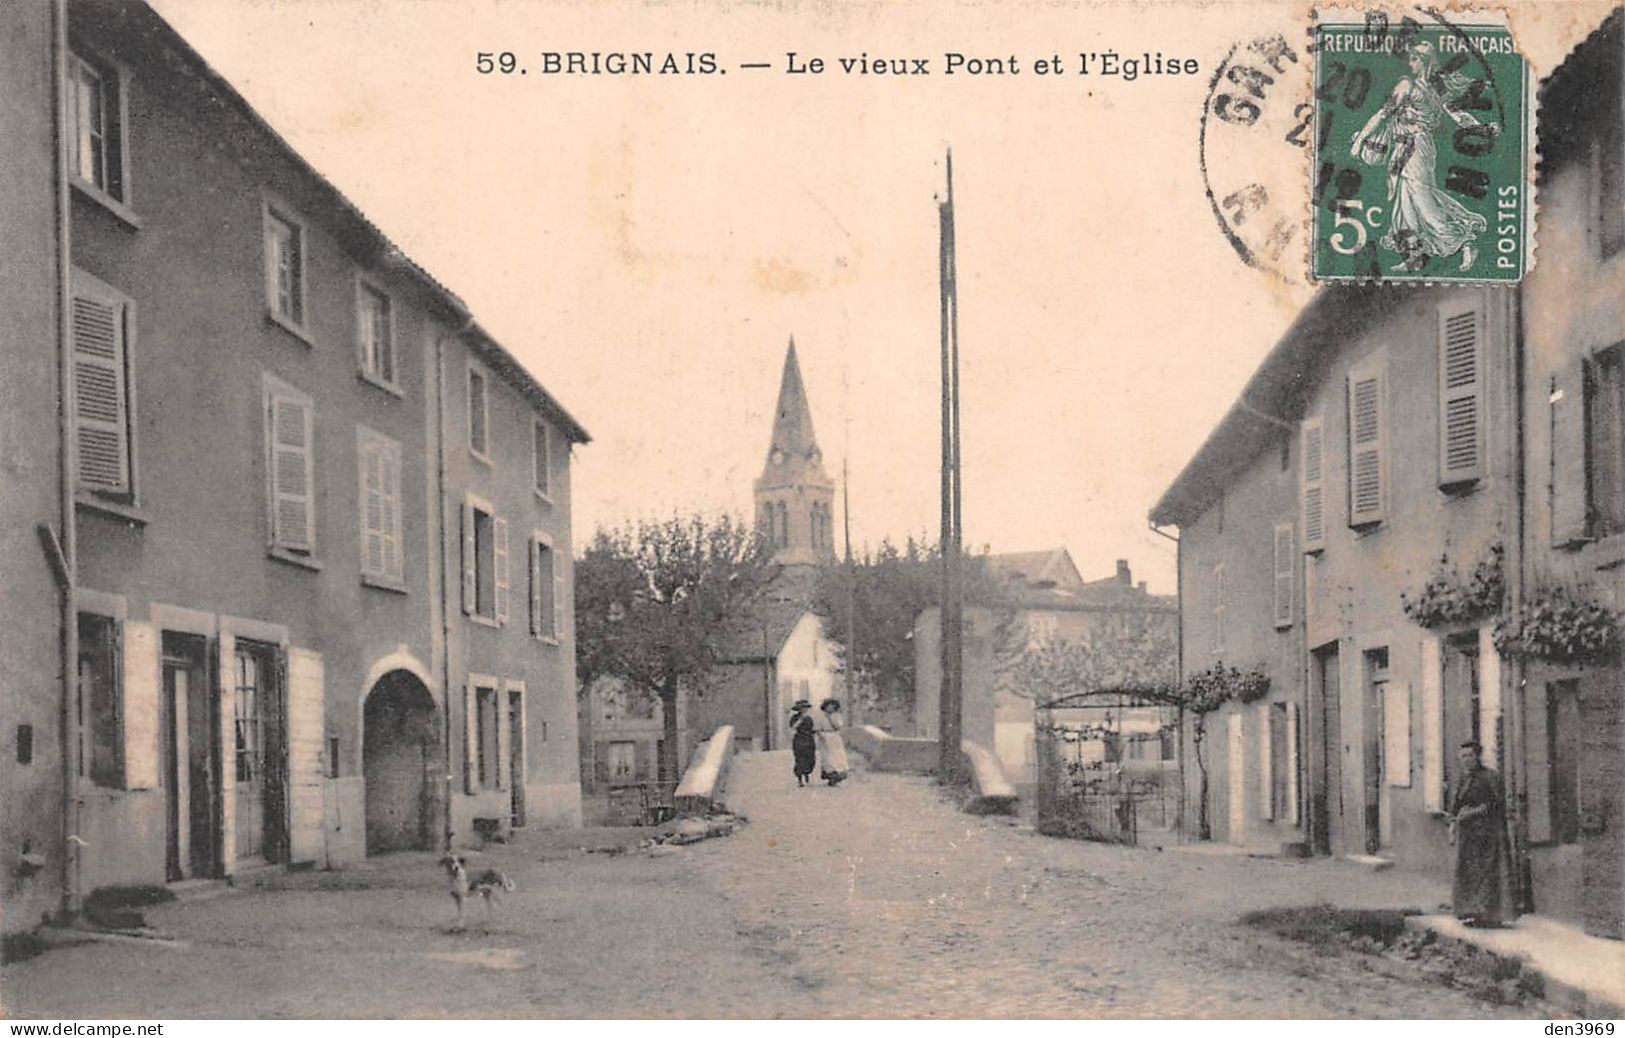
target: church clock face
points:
(778, 456)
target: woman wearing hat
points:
(803, 743)
(831, 747)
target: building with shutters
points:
(1377, 437)
(1573, 713)
(1466, 436)
(318, 555)
(36, 539)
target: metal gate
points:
(1108, 769)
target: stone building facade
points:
(275, 491)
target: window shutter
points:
(372, 507)
(499, 527)
(1567, 488)
(504, 738)
(471, 779)
(1396, 738)
(307, 724)
(292, 504)
(1367, 448)
(1291, 808)
(1266, 760)
(470, 562)
(390, 471)
(226, 669)
(139, 704)
(1314, 485)
(557, 598)
(535, 570)
(1432, 706)
(100, 393)
(540, 457)
(1489, 697)
(1461, 394)
(1283, 575)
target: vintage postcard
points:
(1091, 510)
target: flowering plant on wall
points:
(1448, 599)
(1207, 690)
(1559, 626)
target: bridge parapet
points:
(706, 780)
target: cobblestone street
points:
(875, 899)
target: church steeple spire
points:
(795, 496)
(792, 424)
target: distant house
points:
(1049, 602)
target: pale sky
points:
(648, 244)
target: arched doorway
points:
(400, 753)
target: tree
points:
(656, 602)
(887, 588)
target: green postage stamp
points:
(1422, 167)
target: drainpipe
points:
(67, 477)
(445, 601)
(1514, 728)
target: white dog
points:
(488, 885)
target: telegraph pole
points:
(950, 726)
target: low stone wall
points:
(992, 793)
(706, 779)
(886, 752)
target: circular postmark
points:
(1367, 146)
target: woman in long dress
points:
(1481, 891)
(803, 744)
(1423, 219)
(831, 747)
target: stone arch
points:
(400, 762)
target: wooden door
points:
(259, 723)
(176, 697)
(516, 757)
(1327, 788)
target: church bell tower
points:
(795, 497)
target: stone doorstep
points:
(1579, 973)
(1370, 861)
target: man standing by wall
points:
(1481, 890)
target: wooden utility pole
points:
(949, 714)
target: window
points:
(1312, 491)
(544, 597)
(285, 268)
(1368, 446)
(485, 562)
(622, 761)
(96, 123)
(542, 459)
(375, 334)
(485, 736)
(290, 468)
(380, 483)
(101, 707)
(1218, 610)
(479, 415)
(1605, 442)
(1461, 394)
(1284, 574)
(1610, 178)
(102, 388)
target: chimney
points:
(1123, 576)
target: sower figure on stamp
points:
(1481, 892)
(1425, 220)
